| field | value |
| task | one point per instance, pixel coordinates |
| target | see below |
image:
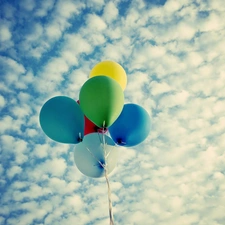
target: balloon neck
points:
(120, 142)
(101, 165)
(100, 130)
(80, 139)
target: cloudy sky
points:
(173, 54)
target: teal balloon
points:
(91, 151)
(101, 100)
(132, 126)
(62, 120)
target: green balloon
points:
(101, 100)
(62, 120)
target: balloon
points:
(90, 127)
(101, 100)
(132, 126)
(110, 69)
(62, 120)
(90, 152)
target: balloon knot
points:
(102, 165)
(80, 139)
(120, 141)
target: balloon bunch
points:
(99, 110)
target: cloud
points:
(212, 23)
(13, 171)
(64, 10)
(174, 99)
(5, 33)
(173, 54)
(54, 167)
(12, 64)
(95, 23)
(159, 88)
(110, 12)
(2, 101)
(28, 5)
(45, 7)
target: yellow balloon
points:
(112, 70)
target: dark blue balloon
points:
(132, 126)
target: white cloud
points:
(172, 6)
(13, 171)
(54, 167)
(53, 31)
(216, 5)
(213, 22)
(95, 23)
(68, 8)
(218, 108)
(2, 101)
(118, 52)
(70, 58)
(95, 5)
(136, 81)
(31, 132)
(75, 44)
(52, 75)
(5, 33)
(174, 58)
(74, 202)
(23, 97)
(194, 59)
(7, 141)
(1, 170)
(37, 32)
(21, 112)
(159, 88)
(41, 151)
(28, 4)
(45, 6)
(110, 12)
(2, 220)
(13, 65)
(64, 10)
(132, 179)
(185, 31)
(174, 99)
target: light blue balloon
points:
(91, 151)
(62, 120)
(131, 127)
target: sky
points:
(173, 55)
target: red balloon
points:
(90, 127)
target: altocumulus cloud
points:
(173, 52)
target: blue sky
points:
(173, 53)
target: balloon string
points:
(103, 140)
(103, 166)
(106, 177)
(109, 199)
